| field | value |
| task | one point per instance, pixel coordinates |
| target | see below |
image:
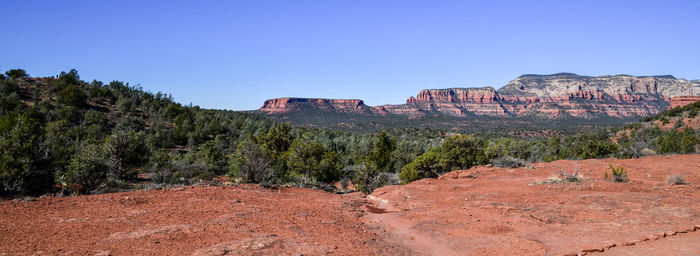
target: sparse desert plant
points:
(165, 176)
(508, 162)
(665, 121)
(344, 183)
(563, 177)
(648, 152)
(693, 113)
(618, 174)
(678, 124)
(676, 180)
(303, 181)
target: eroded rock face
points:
(548, 96)
(681, 101)
(284, 105)
(560, 95)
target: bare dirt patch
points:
(509, 211)
(243, 220)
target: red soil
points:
(505, 211)
(481, 211)
(243, 220)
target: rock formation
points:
(556, 96)
(681, 101)
(286, 105)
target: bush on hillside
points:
(72, 96)
(24, 165)
(17, 74)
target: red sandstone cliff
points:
(547, 96)
(681, 101)
(285, 105)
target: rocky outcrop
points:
(286, 105)
(456, 102)
(558, 95)
(681, 101)
(481, 95)
(554, 96)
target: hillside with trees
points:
(62, 135)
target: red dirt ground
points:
(243, 220)
(481, 211)
(505, 211)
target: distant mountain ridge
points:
(557, 96)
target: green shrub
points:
(380, 157)
(85, 171)
(462, 152)
(367, 179)
(693, 113)
(618, 174)
(72, 96)
(665, 120)
(68, 78)
(304, 158)
(669, 142)
(124, 150)
(211, 158)
(674, 111)
(251, 164)
(689, 141)
(427, 165)
(457, 152)
(24, 165)
(678, 124)
(508, 162)
(9, 97)
(17, 73)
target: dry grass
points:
(562, 177)
(676, 180)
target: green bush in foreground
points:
(457, 152)
(618, 174)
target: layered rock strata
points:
(286, 105)
(681, 101)
(548, 96)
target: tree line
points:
(64, 135)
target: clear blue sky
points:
(236, 54)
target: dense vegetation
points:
(471, 123)
(61, 134)
(631, 141)
(64, 135)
